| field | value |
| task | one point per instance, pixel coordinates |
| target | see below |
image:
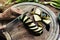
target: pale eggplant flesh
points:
(37, 18)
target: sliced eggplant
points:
(32, 11)
(37, 18)
(47, 27)
(21, 16)
(47, 21)
(29, 20)
(39, 28)
(39, 23)
(25, 18)
(38, 11)
(32, 24)
(40, 31)
(47, 18)
(34, 28)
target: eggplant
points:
(37, 18)
(34, 27)
(25, 18)
(38, 30)
(38, 11)
(47, 21)
(31, 25)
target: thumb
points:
(16, 10)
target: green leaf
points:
(8, 2)
(54, 3)
(57, 1)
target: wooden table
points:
(52, 8)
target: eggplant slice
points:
(37, 18)
(31, 25)
(34, 25)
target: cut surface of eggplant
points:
(38, 11)
(22, 16)
(37, 18)
(47, 21)
(28, 21)
(38, 29)
(39, 23)
(25, 18)
(34, 27)
(32, 24)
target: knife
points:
(13, 24)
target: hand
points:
(2, 27)
(10, 13)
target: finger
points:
(12, 17)
(16, 10)
(2, 26)
(7, 15)
(1, 16)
